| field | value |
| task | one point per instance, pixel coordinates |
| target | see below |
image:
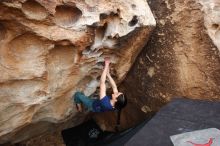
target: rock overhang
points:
(49, 50)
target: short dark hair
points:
(121, 102)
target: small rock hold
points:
(151, 71)
(162, 22)
(146, 109)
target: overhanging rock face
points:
(50, 49)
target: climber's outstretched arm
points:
(103, 79)
(112, 82)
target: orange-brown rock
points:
(50, 49)
(180, 59)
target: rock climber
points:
(116, 101)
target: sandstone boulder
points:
(50, 49)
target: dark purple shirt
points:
(102, 105)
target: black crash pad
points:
(89, 134)
(86, 134)
(179, 116)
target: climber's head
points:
(120, 100)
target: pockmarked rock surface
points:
(50, 49)
(180, 59)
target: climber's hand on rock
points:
(107, 61)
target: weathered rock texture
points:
(211, 10)
(50, 49)
(180, 59)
